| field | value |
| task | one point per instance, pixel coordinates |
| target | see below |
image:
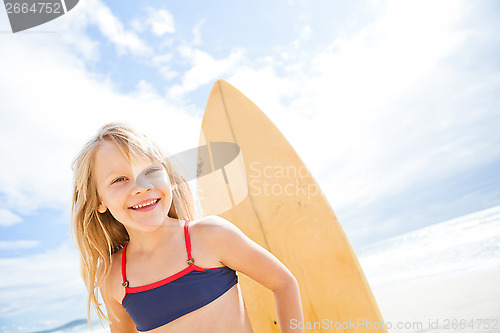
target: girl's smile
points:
(145, 205)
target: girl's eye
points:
(151, 171)
(117, 180)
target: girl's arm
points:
(240, 253)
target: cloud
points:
(350, 84)
(164, 63)
(112, 28)
(197, 32)
(160, 21)
(7, 218)
(306, 31)
(204, 69)
(71, 32)
(72, 28)
(162, 59)
(18, 244)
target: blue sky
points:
(392, 105)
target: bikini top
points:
(156, 304)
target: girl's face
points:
(138, 194)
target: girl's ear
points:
(101, 208)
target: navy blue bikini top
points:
(159, 303)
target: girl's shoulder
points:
(211, 224)
(212, 229)
(210, 236)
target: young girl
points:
(158, 268)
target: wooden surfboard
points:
(264, 188)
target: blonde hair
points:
(99, 235)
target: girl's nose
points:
(147, 185)
(145, 182)
(140, 186)
(153, 177)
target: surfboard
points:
(264, 188)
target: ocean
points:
(470, 243)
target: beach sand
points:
(433, 305)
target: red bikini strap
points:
(125, 282)
(188, 242)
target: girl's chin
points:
(150, 223)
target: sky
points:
(392, 105)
